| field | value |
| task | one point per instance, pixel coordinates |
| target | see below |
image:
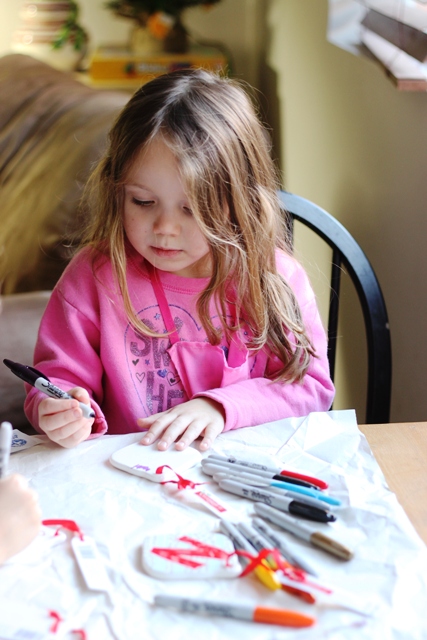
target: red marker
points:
(301, 476)
(262, 468)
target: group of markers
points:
(278, 495)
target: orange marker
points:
(250, 613)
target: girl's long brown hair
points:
(230, 180)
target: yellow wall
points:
(354, 144)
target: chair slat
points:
(334, 301)
(347, 253)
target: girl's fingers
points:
(146, 424)
(80, 394)
(190, 419)
(192, 432)
(168, 424)
(62, 419)
(58, 421)
(67, 430)
(51, 406)
(189, 435)
(210, 434)
(72, 434)
(76, 438)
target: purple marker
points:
(41, 382)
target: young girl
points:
(185, 314)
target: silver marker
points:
(255, 481)
(274, 540)
(5, 444)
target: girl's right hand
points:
(20, 519)
(63, 421)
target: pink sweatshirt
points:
(86, 340)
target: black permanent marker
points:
(282, 503)
(41, 382)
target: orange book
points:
(112, 64)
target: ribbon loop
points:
(182, 483)
(70, 525)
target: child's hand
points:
(200, 416)
(20, 515)
(63, 421)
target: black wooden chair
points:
(348, 254)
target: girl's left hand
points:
(200, 416)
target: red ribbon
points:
(202, 550)
(184, 556)
(209, 551)
(70, 525)
(182, 483)
(291, 572)
(258, 560)
(56, 621)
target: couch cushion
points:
(52, 129)
(20, 316)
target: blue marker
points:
(210, 469)
(307, 492)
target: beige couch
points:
(20, 315)
(52, 129)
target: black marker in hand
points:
(41, 382)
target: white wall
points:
(235, 23)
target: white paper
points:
(22, 441)
(21, 621)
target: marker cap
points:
(282, 617)
(333, 546)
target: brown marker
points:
(317, 538)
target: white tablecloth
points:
(387, 578)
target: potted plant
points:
(49, 30)
(157, 22)
(71, 31)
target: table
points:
(401, 451)
(380, 593)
